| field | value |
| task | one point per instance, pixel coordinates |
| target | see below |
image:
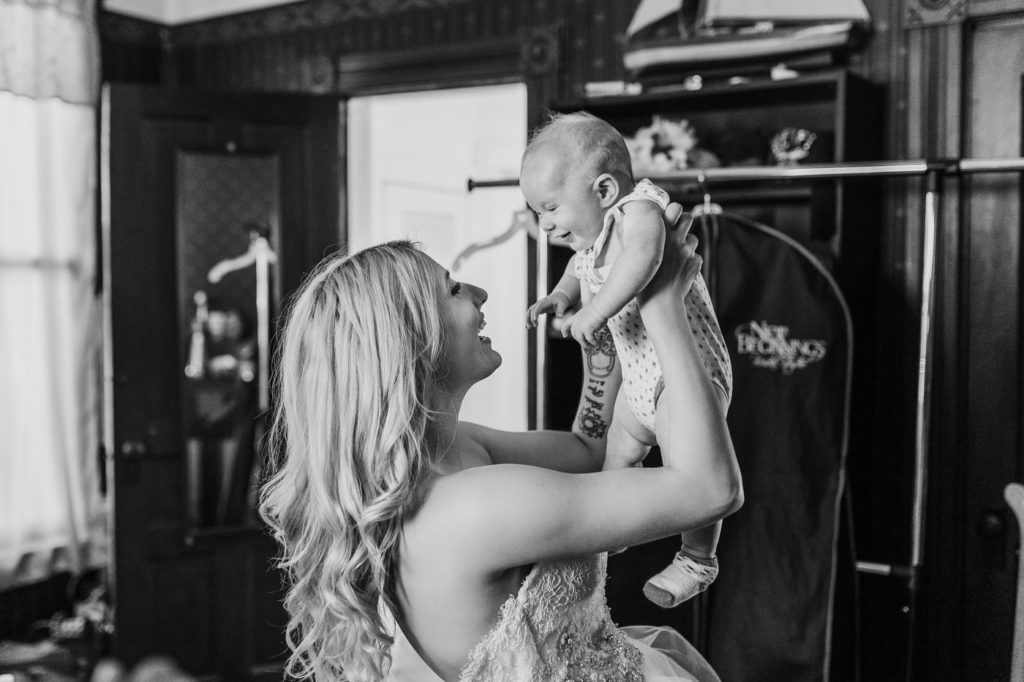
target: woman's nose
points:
(479, 295)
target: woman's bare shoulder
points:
(455, 517)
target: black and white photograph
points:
(335, 344)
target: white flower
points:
(662, 146)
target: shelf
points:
(813, 87)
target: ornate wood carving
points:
(296, 17)
(933, 12)
(539, 51)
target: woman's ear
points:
(606, 187)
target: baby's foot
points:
(684, 578)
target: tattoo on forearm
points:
(601, 356)
(600, 360)
(591, 422)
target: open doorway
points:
(409, 157)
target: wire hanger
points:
(707, 207)
(522, 219)
(258, 246)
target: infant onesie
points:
(641, 372)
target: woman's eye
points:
(456, 288)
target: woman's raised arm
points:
(526, 514)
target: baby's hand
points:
(555, 302)
(584, 326)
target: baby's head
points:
(574, 169)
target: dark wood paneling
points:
(991, 358)
(294, 47)
(131, 50)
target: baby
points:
(577, 177)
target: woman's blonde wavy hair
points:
(362, 348)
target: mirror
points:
(227, 239)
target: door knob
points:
(133, 448)
(991, 525)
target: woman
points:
(420, 547)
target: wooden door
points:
(967, 506)
(184, 174)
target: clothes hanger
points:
(707, 207)
(522, 219)
(707, 212)
(258, 246)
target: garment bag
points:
(770, 614)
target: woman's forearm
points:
(601, 379)
(694, 430)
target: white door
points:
(409, 157)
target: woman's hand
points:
(680, 264)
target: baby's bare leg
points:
(628, 440)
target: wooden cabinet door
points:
(182, 174)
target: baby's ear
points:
(606, 187)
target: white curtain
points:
(51, 511)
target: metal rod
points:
(810, 171)
(472, 184)
(263, 319)
(924, 366)
(874, 567)
(541, 330)
(990, 165)
(817, 171)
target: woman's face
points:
(469, 356)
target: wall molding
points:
(530, 53)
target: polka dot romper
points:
(641, 373)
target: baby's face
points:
(567, 206)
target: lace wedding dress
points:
(558, 628)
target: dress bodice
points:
(557, 627)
